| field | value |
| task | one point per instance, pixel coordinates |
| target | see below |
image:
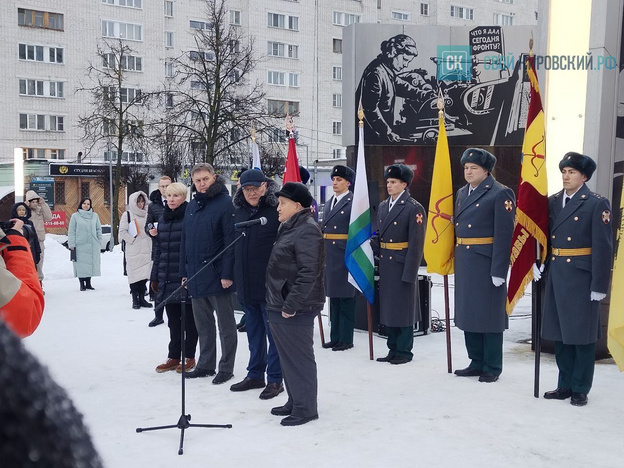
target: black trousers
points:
(174, 316)
(485, 351)
(342, 319)
(576, 366)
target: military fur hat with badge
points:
(480, 157)
(344, 172)
(399, 171)
(584, 164)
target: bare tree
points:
(211, 100)
(118, 110)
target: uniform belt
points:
(336, 236)
(474, 240)
(394, 245)
(571, 252)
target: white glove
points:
(496, 281)
(537, 272)
(596, 296)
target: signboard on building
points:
(59, 220)
(78, 170)
(45, 189)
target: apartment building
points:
(49, 45)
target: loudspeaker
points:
(422, 327)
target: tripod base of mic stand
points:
(183, 424)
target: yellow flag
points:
(615, 336)
(440, 234)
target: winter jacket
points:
(39, 215)
(154, 212)
(252, 252)
(29, 230)
(85, 235)
(295, 280)
(208, 227)
(166, 267)
(138, 247)
(21, 297)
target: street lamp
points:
(18, 174)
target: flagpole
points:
(447, 317)
(537, 328)
(369, 317)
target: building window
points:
(169, 8)
(39, 19)
(462, 12)
(125, 3)
(126, 156)
(337, 46)
(276, 78)
(40, 53)
(337, 127)
(169, 100)
(506, 1)
(130, 95)
(57, 154)
(400, 16)
(503, 20)
(345, 19)
(199, 25)
(41, 88)
(41, 122)
(59, 193)
(279, 49)
(293, 80)
(337, 73)
(235, 17)
(276, 20)
(279, 108)
(117, 30)
(424, 9)
(128, 62)
(338, 153)
(169, 69)
(337, 100)
(168, 38)
(85, 191)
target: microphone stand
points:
(184, 421)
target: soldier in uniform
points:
(578, 273)
(401, 221)
(336, 217)
(484, 224)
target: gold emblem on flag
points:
(508, 205)
(606, 216)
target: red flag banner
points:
(291, 172)
(532, 205)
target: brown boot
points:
(190, 365)
(170, 365)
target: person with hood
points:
(165, 279)
(85, 237)
(40, 213)
(155, 210)
(207, 229)
(21, 211)
(138, 247)
(256, 199)
(295, 296)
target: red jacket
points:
(21, 297)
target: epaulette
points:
(597, 195)
(413, 201)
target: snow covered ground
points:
(370, 414)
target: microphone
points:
(262, 221)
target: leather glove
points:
(154, 286)
(537, 272)
(596, 296)
(496, 281)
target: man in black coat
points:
(401, 221)
(578, 274)
(253, 200)
(484, 224)
(341, 293)
(154, 212)
(208, 228)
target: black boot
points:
(88, 284)
(135, 300)
(142, 291)
(82, 284)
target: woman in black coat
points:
(295, 296)
(165, 279)
(21, 211)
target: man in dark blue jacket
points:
(253, 200)
(208, 227)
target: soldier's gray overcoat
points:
(569, 313)
(398, 269)
(336, 221)
(487, 212)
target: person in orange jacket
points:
(21, 296)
